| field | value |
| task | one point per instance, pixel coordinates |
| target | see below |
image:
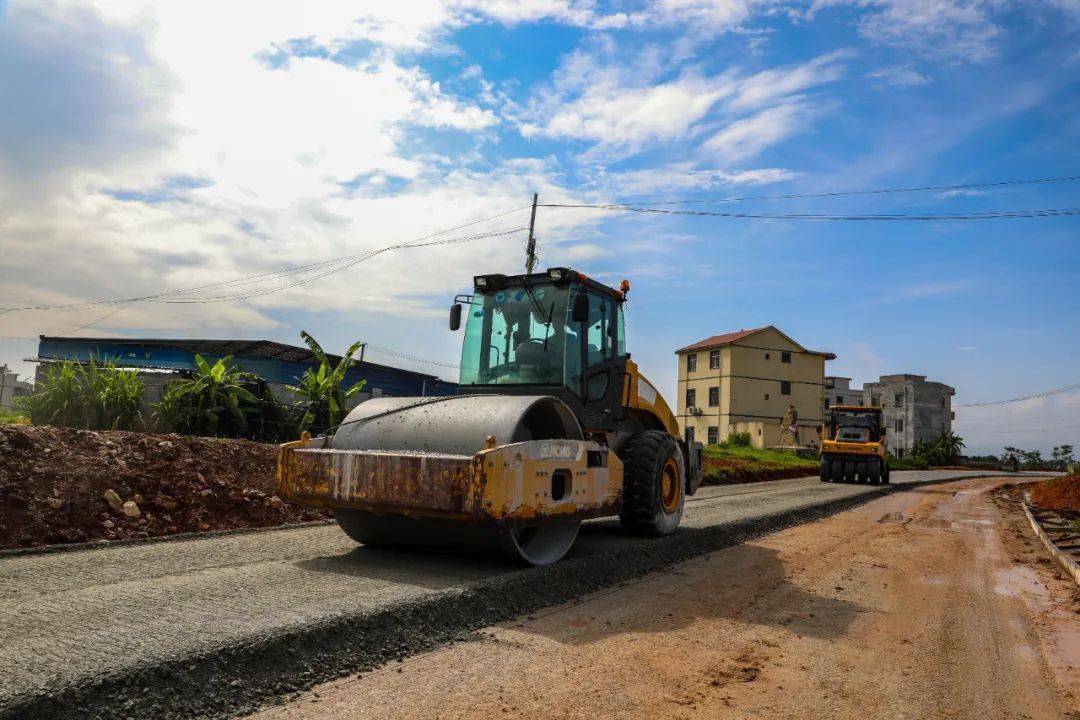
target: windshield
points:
(516, 336)
(855, 426)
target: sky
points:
(152, 147)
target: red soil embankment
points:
(60, 485)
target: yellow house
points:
(743, 382)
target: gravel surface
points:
(215, 626)
(917, 605)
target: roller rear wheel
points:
(654, 491)
(825, 470)
(849, 471)
(836, 470)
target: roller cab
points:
(553, 424)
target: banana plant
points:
(324, 399)
(210, 403)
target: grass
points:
(739, 463)
(896, 463)
(10, 416)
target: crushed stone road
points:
(922, 604)
(72, 618)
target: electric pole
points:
(530, 249)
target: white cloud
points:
(179, 152)
(747, 137)
(961, 29)
(619, 107)
(900, 76)
(684, 176)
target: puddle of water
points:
(895, 518)
(1019, 580)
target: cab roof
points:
(557, 275)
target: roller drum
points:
(457, 425)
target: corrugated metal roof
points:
(268, 349)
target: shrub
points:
(97, 396)
(737, 440)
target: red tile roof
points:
(718, 340)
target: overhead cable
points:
(880, 191)
(985, 215)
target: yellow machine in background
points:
(853, 447)
(552, 424)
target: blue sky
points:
(153, 146)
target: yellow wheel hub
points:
(670, 492)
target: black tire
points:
(885, 473)
(648, 461)
(824, 470)
(849, 471)
(873, 471)
(836, 470)
(861, 470)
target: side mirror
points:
(455, 316)
(580, 311)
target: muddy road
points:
(928, 603)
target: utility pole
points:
(530, 249)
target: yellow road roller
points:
(552, 424)
(853, 447)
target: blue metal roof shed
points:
(274, 362)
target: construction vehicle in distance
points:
(853, 447)
(552, 424)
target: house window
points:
(766, 396)
(714, 397)
(766, 356)
(830, 383)
(875, 400)
(785, 357)
(691, 362)
(899, 425)
(899, 399)
(839, 399)
(714, 359)
(691, 397)
(714, 435)
(785, 387)
(899, 452)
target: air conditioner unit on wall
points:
(694, 410)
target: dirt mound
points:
(1061, 493)
(59, 485)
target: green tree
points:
(1033, 458)
(1063, 456)
(211, 402)
(949, 446)
(323, 397)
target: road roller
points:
(853, 447)
(552, 424)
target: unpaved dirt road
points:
(930, 603)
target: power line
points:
(844, 193)
(406, 356)
(985, 215)
(1048, 393)
(351, 263)
(260, 276)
